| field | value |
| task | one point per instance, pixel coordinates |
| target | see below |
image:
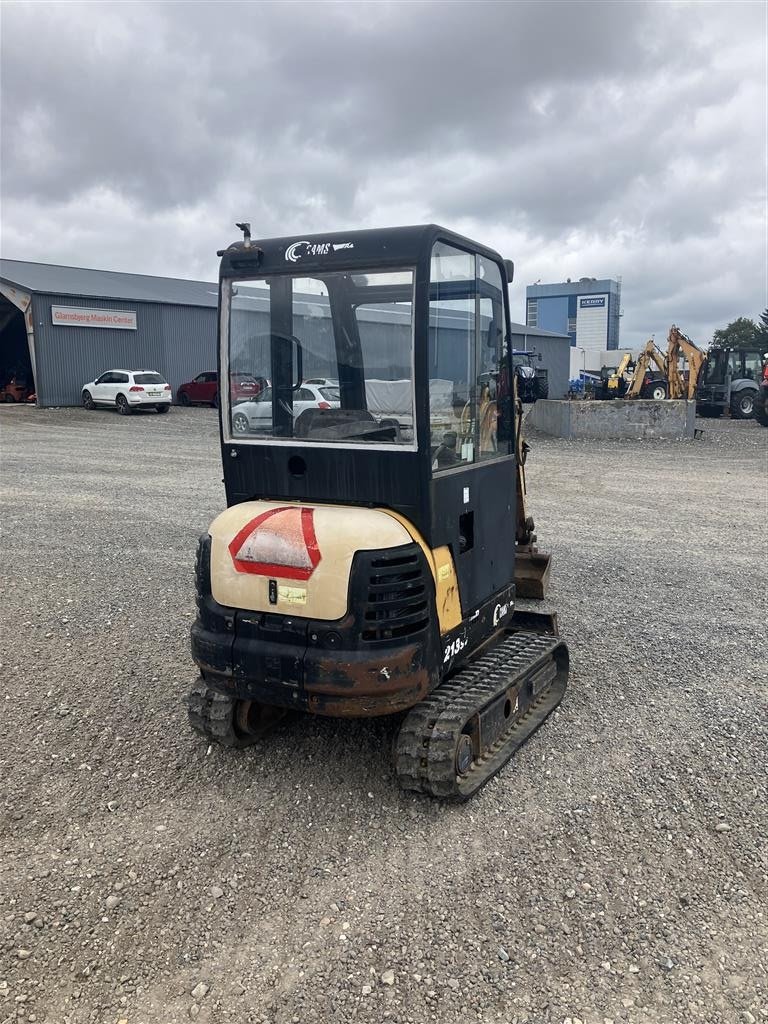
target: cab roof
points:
(343, 250)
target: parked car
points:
(128, 390)
(257, 416)
(204, 389)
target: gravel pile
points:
(615, 871)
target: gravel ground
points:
(614, 871)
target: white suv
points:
(128, 390)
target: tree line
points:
(743, 333)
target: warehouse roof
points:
(536, 332)
(50, 279)
(106, 284)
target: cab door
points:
(471, 435)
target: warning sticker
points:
(292, 595)
(280, 542)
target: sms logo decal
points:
(292, 253)
(297, 250)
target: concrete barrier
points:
(614, 419)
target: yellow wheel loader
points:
(375, 540)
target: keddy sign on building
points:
(72, 316)
(592, 322)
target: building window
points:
(532, 313)
(571, 324)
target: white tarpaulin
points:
(389, 398)
(394, 398)
(441, 396)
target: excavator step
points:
(456, 740)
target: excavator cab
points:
(367, 554)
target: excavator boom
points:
(532, 566)
(678, 344)
(650, 354)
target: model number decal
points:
(499, 612)
(455, 647)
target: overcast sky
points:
(611, 139)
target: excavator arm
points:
(650, 354)
(678, 344)
(614, 380)
(531, 565)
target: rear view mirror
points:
(509, 266)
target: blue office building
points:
(586, 310)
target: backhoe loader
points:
(678, 345)
(643, 383)
(371, 555)
(614, 381)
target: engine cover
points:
(291, 558)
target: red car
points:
(204, 389)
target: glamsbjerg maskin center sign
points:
(72, 316)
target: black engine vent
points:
(398, 596)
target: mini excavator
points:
(375, 541)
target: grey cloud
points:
(619, 134)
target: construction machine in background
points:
(645, 382)
(730, 380)
(532, 381)
(614, 381)
(679, 346)
(370, 565)
(637, 378)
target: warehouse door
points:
(16, 378)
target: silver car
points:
(256, 417)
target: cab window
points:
(753, 365)
(469, 381)
(353, 331)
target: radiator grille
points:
(397, 603)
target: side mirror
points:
(509, 266)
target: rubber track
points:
(425, 755)
(212, 714)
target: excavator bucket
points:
(531, 572)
